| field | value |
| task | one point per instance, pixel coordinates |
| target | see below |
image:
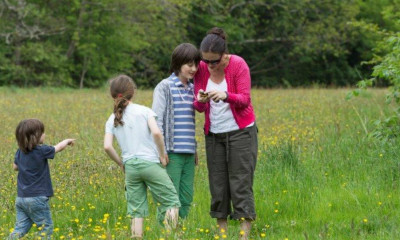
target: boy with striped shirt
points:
(173, 103)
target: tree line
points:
(289, 43)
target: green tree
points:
(27, 57)
(385, 62)
(286, 42)
(81, 43)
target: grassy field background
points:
(318, 176)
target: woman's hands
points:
(202, 96)
(216, 96)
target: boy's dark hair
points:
(122, 89)
(215, 41)
(28, 134)
(184, 53)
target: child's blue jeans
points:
(33, 210)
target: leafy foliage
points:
(386, 66)
(292, 43)
(81, 43)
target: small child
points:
(143, 156)
(34, 182)
(173, 103)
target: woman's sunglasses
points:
(212, 62)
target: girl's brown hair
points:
(122, 89)
(28, 134)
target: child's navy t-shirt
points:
(33, 172)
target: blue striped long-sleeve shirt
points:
(184, 116)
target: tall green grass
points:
(318, 176)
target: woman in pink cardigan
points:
(222, 90)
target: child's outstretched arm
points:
(63, 144)
(108, 147)
(15, 167)
(158, 139)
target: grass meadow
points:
(318, 176)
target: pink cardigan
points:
(238, 79)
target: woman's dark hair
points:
(214, 41)
(28, 134)
(122, 89)
(184, 53)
